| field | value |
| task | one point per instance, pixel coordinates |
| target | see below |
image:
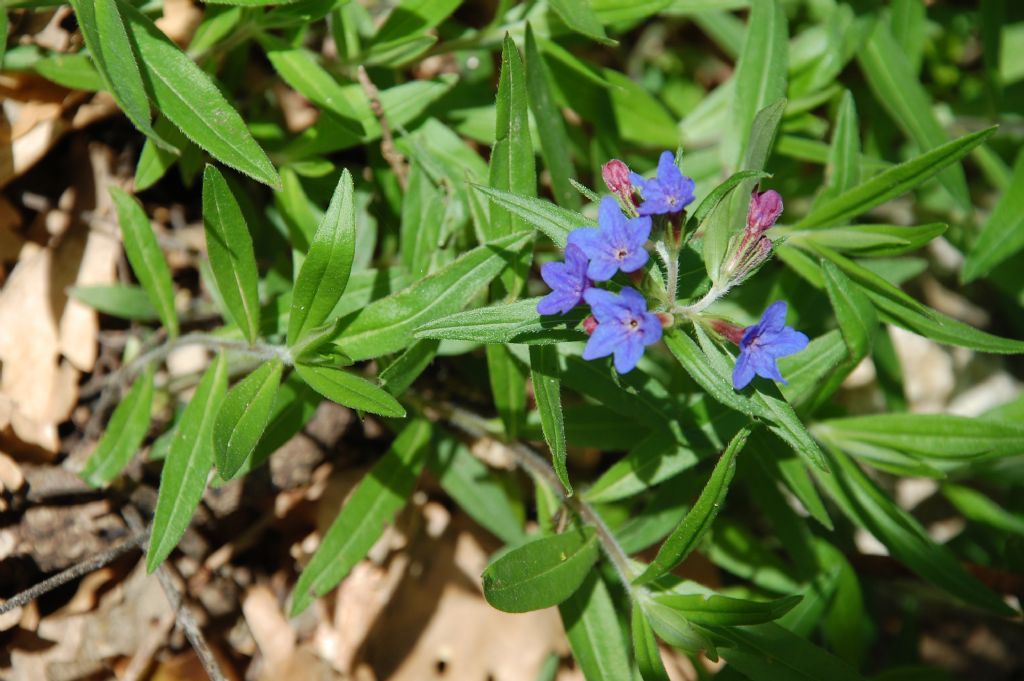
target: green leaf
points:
(155, 161)
(639, 116)
(675, 630)
(768, 652)
(554, 140)
(842, 173)
(872, 240)
(386, 325)
(645, 647)
(124, 434)
(507, 377)
(552, 220)
(349, 390)
(512, 166)
(653, 460)
(476, 489)
(294, 406)
(373, 503)
(400, 374)
(1002, 235)
(698, 521)
(941, 436)
(423, 211)
(598, 641)
(719, 227)
(188, 464)
(146, 259)
(517, 322)
(74, 71)
(712, 609)
(301, 70)
(187, 96)
(105, 35)
(854, 312)
(547, 392)
(891, 183)
(580, 17)
(326, 268)
(231, 253)
(902, 95)
(540, 573)
(118, 300)
(414, 16)
(243, 417)
(908, 542)
(760, 76)
(979, 508)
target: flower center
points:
(621, 253)
(633, 324)
(671, 200)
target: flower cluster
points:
(620, 324)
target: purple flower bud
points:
(765, 209)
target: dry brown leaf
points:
(274, 636)
(180, 20)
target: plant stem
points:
(671, 259)
(532, 462)
(711, 297)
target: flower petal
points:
(667, 168)
(557, 302)
(556, 275)
(602, 267)
(652, 330)
(628, 353)
(764, 365)
(774, 318)
(586, 239)
(604, 304)
(785, 342)
(603, 341)
(609, 215)
(742, 373)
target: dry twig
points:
(387, 142)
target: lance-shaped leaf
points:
(146, 259)
(386, 325)
(760, 76)
(1002, 235)
(723, 610)
(891, 183)
(872, 509)
(243, 417)
(773, 653)
(547, 392)
(517, 322)
(596, 636)
(186, 95)
(107, 39)
(373, 503)
(902, 95)
(843, 170)
(124, 434)
(554, 141)
(507, 377)
(117, 300)
(698, 521)
(674, 629)
(326, 268)
(854, 312)
(540, 573)
(645, 647)
(553, 221)
(349, 390)
(188, 463)
(231, 253)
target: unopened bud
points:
(589, 324)
(765, 209)
(666, 319)
(616, 176)
(730, 332)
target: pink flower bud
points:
(590, 324)
(728, 331)
(666, 319)
(765, 209)
(616, 176)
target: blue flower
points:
(667, 192)
(765, 342)
(617, 243)
(568, 280)
(624, 327)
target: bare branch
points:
(387, 142)
(186, 618)
(73, 572)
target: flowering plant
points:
(679, 387)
